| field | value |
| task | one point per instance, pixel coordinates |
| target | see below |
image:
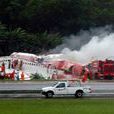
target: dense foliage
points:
(20, 40)
(37, 25)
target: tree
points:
(3, 41)
(15, 40)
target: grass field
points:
(57, 106)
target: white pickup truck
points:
(66, 88)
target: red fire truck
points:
(100, 69)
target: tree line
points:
(38, 25)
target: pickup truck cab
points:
(66, 88)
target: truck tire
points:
(49, 94)
(79, 94)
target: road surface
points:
(100, 89)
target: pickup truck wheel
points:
(49, 95)
(79, 94)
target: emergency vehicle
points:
(101, 69)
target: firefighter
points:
(12, 75)
(17, 74)
(3, 67)
(85, 74)
(22, 76)
(2, 71)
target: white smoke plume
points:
(97, 43)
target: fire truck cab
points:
(102, 69)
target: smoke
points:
(97, 43)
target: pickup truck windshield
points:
(61, 85)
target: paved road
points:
(24, 85)
(101, 89)
(37, 85)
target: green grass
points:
(56, 106)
